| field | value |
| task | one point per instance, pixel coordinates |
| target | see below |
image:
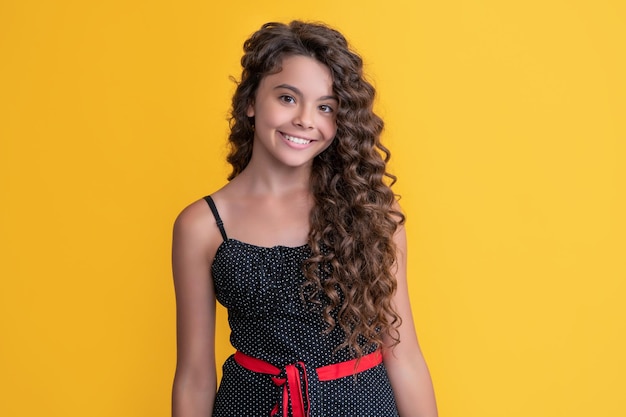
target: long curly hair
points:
(354, 218)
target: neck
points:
(272, 180)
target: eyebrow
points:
(299, 93)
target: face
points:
(294, 113)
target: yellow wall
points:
(506, 121)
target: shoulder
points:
(195, 227)
(193, 217)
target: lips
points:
(297, 140)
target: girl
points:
(305, 247)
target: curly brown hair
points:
(354, 218)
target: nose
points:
(304, 118)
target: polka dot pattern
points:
(269, 320)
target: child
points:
(305, 247)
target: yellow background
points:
(506, 123)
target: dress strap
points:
(218, 219)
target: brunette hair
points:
(354, 216)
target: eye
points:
(325, 108)
(287, 99)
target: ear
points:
(250, 110)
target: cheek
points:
(334, 130)
(330, 128)
(330, 140)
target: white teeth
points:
(296, 140)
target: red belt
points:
(294, 381)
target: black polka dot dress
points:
(269, 320)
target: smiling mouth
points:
(296, 140)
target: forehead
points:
(302, 72)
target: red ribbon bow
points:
(293, 379)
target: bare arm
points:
(410, 379)
(194, 245)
